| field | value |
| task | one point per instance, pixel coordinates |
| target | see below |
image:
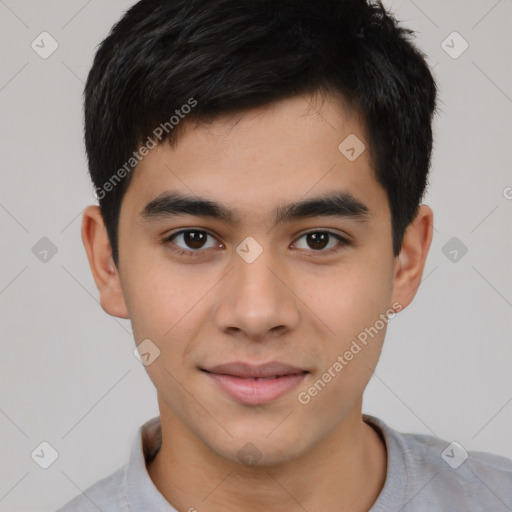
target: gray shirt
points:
(424, 473)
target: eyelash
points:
(200, 252)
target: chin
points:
(258, 449)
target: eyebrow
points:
(340, 204)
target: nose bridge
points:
(254, 299)
(255, 277)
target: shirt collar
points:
(392, 495)
(138, 490)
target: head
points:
(245, 107)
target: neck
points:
(345, 471)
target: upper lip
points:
(246, 370)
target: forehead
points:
(256, 161)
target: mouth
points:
(255, 385)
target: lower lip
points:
(256, 392)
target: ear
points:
(99, 253)
(409, 264)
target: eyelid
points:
(330, 231)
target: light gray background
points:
(68, 373)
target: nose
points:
(257, 300)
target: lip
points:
(242, 383)
(246, 370)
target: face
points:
(209, 291)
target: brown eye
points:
(318, 241)
(190, 241)
(194, 239)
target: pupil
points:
(317, 240)
(194, 239)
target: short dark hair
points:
(227, 56)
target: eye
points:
(319, 240)
(192, 241)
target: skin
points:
(293, 304)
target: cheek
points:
(158, 297)
(168, 306)
(350, 302)
(348, 367)
(348, 298)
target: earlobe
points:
(410, 263)
(99, 253)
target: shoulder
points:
(437, 473)
(476, 480)
(103, 495)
